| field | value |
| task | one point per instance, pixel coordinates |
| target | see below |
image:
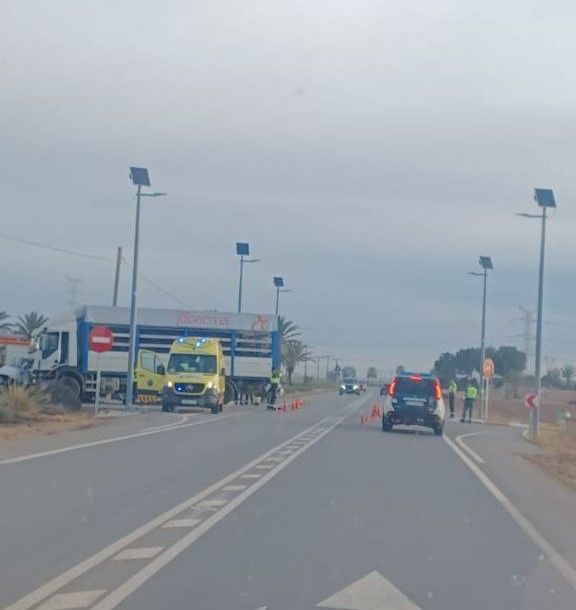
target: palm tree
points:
(287, 330)
(567, 373)
(4, 326)
(294, 352)
(27, 324)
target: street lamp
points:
(486, 263)
(279, 283)
(140, 178)
(545, 199)
(243, 249)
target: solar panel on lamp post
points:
(140, 178)
(545, 199)
(243, 249)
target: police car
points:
(414, 399)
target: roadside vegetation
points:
(25, 411)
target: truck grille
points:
(189, 388)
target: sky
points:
(368, 151)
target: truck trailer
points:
(250, 343)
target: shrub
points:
(18, 404)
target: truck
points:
(14, 359)
(250, 347)
(195, 375)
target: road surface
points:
(295, 511)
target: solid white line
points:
(114, 439)
(116, 597)
(469, 451)
(52, 586)
(537, 538)
(181, 420)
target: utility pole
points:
(73, 291)
(117, 277)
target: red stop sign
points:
(100, 339)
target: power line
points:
(37, 244)
(158, 287)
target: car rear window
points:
(414, 388)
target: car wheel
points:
(214, 409)
(439, 429)
(387, 424)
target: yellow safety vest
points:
(471, 392)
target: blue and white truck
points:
(251, 345)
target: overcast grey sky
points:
(369, 151)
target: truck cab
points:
(195, 375)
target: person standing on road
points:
(275, 380)
(452, 388)
(470, 395)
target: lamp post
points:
(545, 199)
(243, 249)
(279, 283)
(140, 178)
(486, 264)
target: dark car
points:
(349, 386)
(414, 399)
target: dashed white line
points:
(182, 523)
(138, 553)
(234, 488)
(67, 601)
(52, 590)
(251, 476)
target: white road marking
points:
(68, 601)
(182, 523)
(182, 419)
(372, 592)
(234, 488)
(142, 552)
(251, 476)
(265, 466)
(116, 597)
(114, 439)
(555, 558)
(212, 503)
(459, 440)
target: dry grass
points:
(19, 404)
(25, 412)
(504, 407)
(559, 441)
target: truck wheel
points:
(72, 383)
(387, 424)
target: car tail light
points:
(392, 387)
(436, 389)
(415, 378)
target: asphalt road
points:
(308, 509)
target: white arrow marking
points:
(372, 592)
